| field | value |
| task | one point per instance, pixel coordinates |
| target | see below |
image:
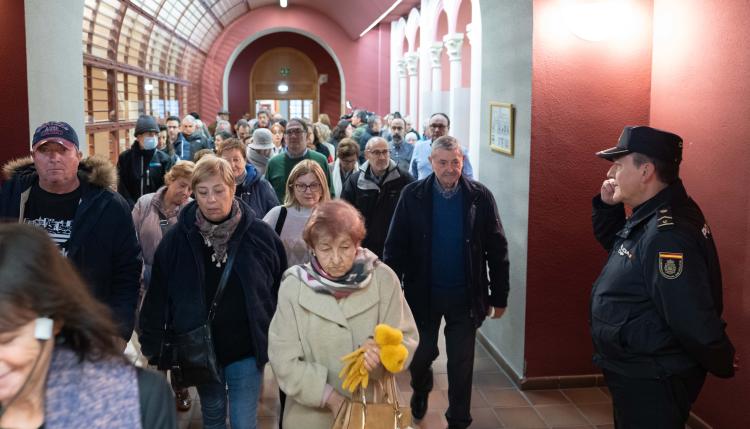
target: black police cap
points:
(657, 144)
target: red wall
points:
(14, 110)
(583, 93)
(700, 90)
(360, 59)
(239, 76)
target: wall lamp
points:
(595, 20)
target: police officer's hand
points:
(608, 192)
(495, 312)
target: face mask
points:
(149, 143)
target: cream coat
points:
(311, 331)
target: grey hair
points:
(374, 140)
(446, 143)
(372, 119)
(189, 119)
(223, 126)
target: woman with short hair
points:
(346, 163)
(252, 187)
(327, 308)
(61, 365)
(306, 187)
(212, 230)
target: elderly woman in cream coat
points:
(326, 309)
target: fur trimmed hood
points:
(97, 170)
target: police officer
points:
(656, 306)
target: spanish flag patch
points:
(670, 265)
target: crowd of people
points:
(210, 251)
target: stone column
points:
(402, 86)
(412, 62)
(453, 44)
(436, 50)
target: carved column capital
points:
(453, 44)
(412, 60)
(401, 64)
(436, 50)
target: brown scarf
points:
(217, 236)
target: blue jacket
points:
(103, 244)
(408, 247)
(177, 281)
(257, 192)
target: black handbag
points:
(190, 356)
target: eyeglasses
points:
(379, 152)
(302, 187)
(294, 132)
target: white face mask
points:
(149, 143)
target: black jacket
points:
(141, 172)
(103, 244)
(192, 143)
(257, 192)
(656, 306)
(409, 241)
(376, 201)
(178, 274)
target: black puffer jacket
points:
(141, 172)
(103, 244)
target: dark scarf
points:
(218, 235)
(91, 395)
(357, 278)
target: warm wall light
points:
(282, 3)
(283, 87)
(381, 17)
(595, 20)
(148, 87)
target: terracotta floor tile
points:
(546, 397)
(433, 420)
(521, 418)
(505, 398)
(440, 381)
(588, 395)
(492, 379)
(597, 414)
(561, 415)
(477, 400)
(484, 418)
(438, 400)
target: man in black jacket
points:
(447, 244)
(190, 140)
(374, 190)
(73, 200)
(656, 307)
(141, 169)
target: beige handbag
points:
(383, 412)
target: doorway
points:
(285, 80)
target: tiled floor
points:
(496, 402)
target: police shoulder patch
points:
(670, 265)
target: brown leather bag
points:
(383, 412)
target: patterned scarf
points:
(158, 202)
(92, 395)
(357, 278)
(217, 236)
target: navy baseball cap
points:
(657, 144)
(58, 132)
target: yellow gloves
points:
(393, 355)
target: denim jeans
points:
(242, 388)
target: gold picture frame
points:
(502, 128)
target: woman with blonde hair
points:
(228, 304)
(306, 187)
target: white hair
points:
(446, 143)
(188, 119)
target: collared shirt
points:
(420, 166)
(401, 154)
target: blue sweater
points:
(447, 239)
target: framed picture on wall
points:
(501, 127)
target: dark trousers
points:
(653, 403)
(460, 333)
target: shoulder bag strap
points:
(280, 221)
(222, 284)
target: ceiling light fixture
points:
(282, 3)
(381, 17)
(283, 87)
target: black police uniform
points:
(656, 309)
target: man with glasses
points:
(420, 166)
(401, 151)
(279, 167)
(374, 190)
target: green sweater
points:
(279, 167)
